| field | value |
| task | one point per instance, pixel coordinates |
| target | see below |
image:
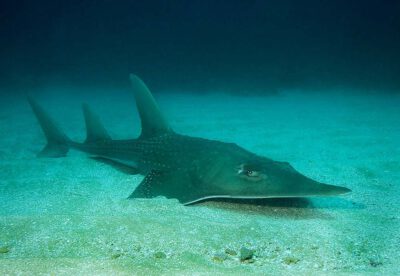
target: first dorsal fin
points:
(94, 128)
(153, 122)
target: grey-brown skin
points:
(212, 169)
(177, 166)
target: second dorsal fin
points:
(153, 122)
(94, 128)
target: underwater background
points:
(313, 83)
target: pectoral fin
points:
(179, 185)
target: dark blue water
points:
(242, 46)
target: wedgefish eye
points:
(242, 170)
(252, 173)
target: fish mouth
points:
(331, 190)
(342, 191)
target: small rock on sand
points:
(246, 254)
(220, 257)
(230, 252)
(291, 260)
(4, 249)
(160, 255)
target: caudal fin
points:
(57, 141)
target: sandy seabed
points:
(70, 216)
